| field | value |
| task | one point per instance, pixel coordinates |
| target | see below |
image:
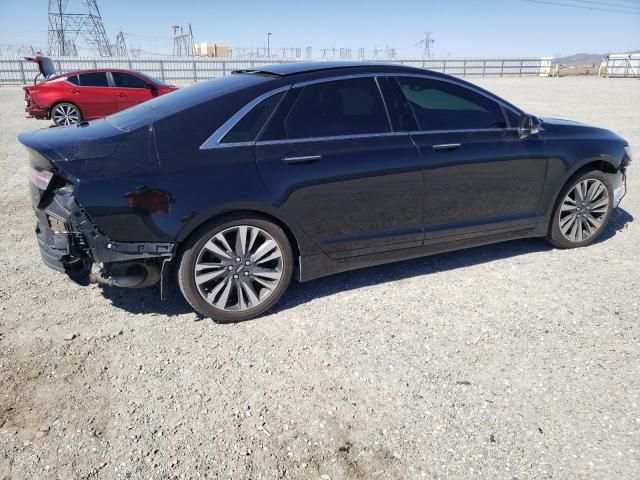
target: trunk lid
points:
(45, 65)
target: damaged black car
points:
(232, 187)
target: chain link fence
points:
(181, 71)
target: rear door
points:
(94, 95)
(130, 89)
(330, 157)
(480, 176)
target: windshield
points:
(179, 100)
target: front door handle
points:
(75, 90)
(302, 159)
(121, 95)
(446, 147)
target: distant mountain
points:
(583, 59)
(580, 60)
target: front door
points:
(329, 157)
(94, 96)
(130, 90)
(480, 176)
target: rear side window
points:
(94, 79)
(247, 129)
(441, 105)
(73, 79)
(342, 107)
(126, 80)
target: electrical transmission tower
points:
(182, 42)
(65, 27)
(121, 46)
(428, 44)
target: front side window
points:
(126, 80)
(342, 107)
(73, 79)
(94, 79)
(248, 128)
(441, 105)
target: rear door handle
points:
(121, 95)
(302, 159)
(447, 147)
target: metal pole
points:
(162, 70)
(269, 45)
(502, 69)
(24, 79)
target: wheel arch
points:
(58, 102)
(297, 239)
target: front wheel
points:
(65, 113)
(583, 211)
(236, 270)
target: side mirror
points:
(153, 88)
(528, 125)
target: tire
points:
(236, 290)
(576, 223)
(65, 114)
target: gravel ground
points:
(511, 361)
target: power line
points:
(582, 7)
(617, 5)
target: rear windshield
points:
(181, 99)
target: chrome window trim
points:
(332, 138)
(214, 141)
(468, 130)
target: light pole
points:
(269, 45)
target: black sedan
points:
(234, 185)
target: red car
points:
(87, 94)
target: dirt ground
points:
(512, 361)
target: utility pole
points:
(269, 45)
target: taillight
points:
(40, 178)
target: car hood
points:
(576, 128)
(562, 122)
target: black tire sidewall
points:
(556, 237)
(187, 261)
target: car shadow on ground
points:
(147, 300)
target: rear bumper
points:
(70, 242)
(34, 111)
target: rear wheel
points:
(583, 211)
(65, 113)
(236, 270)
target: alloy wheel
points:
(65, 114)
(238, 268)
(584, 210)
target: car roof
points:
(297, 68)
(98, 70)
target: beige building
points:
(210, 49)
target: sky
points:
(461, 28)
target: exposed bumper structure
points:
(70, 242)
